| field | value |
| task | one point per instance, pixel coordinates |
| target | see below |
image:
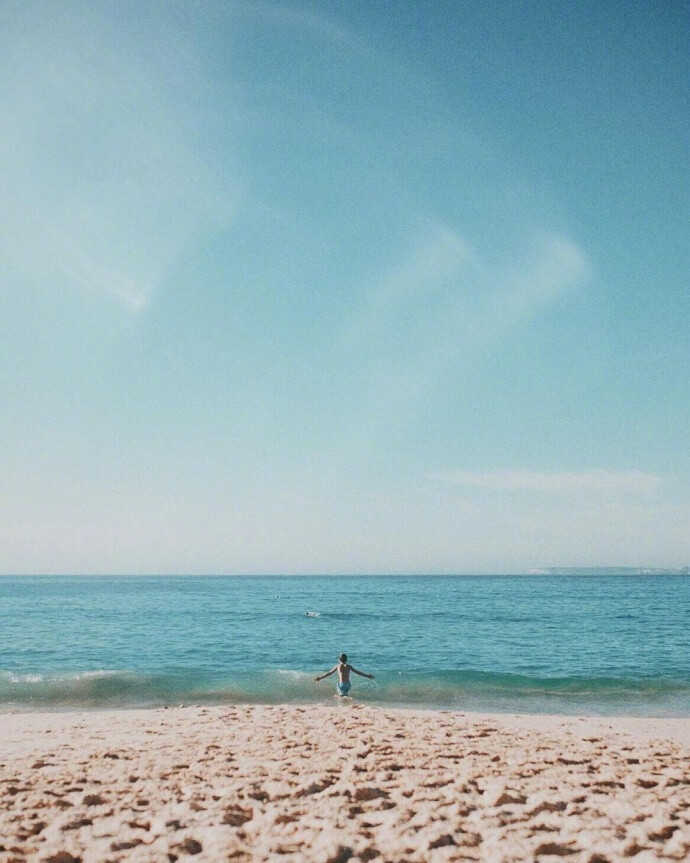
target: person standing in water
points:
(343, 668)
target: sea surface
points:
(590, 645)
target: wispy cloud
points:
(303, 19)
(411, 288)
(606, 482)
(105, 180)
(445, 305)
(554, 265)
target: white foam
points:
(23, 678)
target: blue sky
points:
(343, 287)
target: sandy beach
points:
(344, 782)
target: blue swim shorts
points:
(343, 688)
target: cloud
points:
(554, 266)
(105, 179)
(303, 19)
(411, 287)
(459, 300)
(443, 307)
(564, 482)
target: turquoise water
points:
(574, 644)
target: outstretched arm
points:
(361, 673)
(327, 674)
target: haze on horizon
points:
(349, 287)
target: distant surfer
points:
(343, 668)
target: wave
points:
(90, 688)
(452, 689)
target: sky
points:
(344, 287)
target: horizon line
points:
(534, 571)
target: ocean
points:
(589, 645)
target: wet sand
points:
(332, 783)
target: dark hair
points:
(343, 657)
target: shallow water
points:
(572, 644)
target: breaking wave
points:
(451, 689)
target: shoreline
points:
(343, 781)
(675, 726)
(674, 723)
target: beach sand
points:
(341, 782)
